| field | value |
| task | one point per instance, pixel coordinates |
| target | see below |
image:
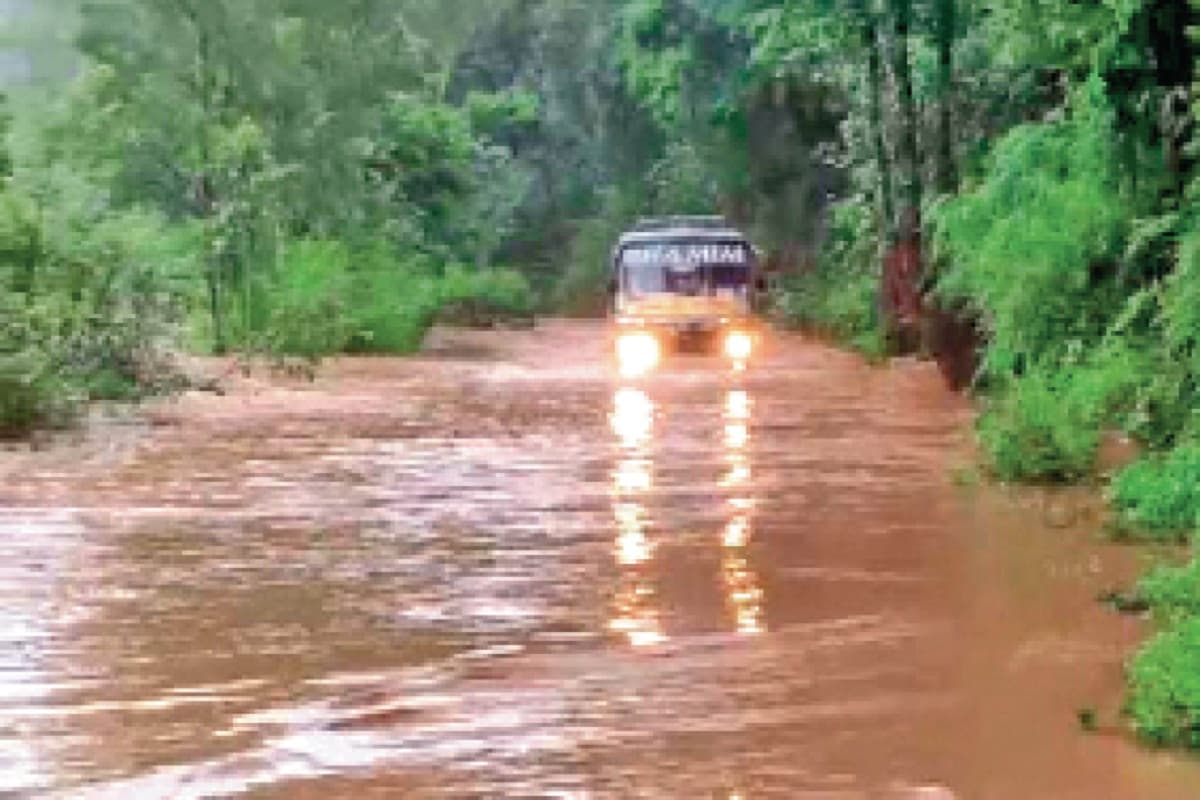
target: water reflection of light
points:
(741, 504)
(633, 546)
(739, 471)
(742, 591)
(635, 608)
(745, 596)
(637, 617)
(737, 532)
(737, 435)
(737, 405)
(632, 476)
(633, 417)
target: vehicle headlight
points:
(638, 353)
(739, 346)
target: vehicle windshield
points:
(720, 269)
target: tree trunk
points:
(910, 195)
(902, 265)
(947, 18)
(205, 188)
(886, 205)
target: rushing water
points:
(498, 571)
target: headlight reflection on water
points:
(737, 405)
(743, 594)
(633, 418)
(635, 615)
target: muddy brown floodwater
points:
(496, 571)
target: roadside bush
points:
(844, 307)
(1034, 245)
(484, 297)
(309, 313)
(328, 298)
(88, 300)
(31, 395)
(1172, 592)
(840, 297)
(393, 303)
(1164, 680)
(1181, 305)
(331, 299)
(1047, 424)
(1161, 494)
(1036, 431)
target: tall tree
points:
(909, 223)
(872, 44)
(945, 28)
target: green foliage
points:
(337, 129)
(1032, 244)
(309, 314)
(681, 183)
(88, 297)
(1173, 592)
(392, 300)
(1081, 36)
(1046, 424)
(1164, 680)
(1162, 493)
(840, 298)
(1181, 305)
(1039, 431)
(583, 289)
(32, 393)
(501, 115)
(424, 158)
(329, 299)
(484, 298)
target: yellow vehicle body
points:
(681, 310)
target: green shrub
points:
(484, 297)
(1033, 246)
(393, 303)
(840, 297)
(309, 314)
(1046, 425)
(328, 298)
(1036, 431)
(33, 392)
(31, 396)
(1164, 682)
(1161, 493)
(1173, 592)
(331, 299)
(1181, 305)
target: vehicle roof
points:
(659, 229)
(683, 232)
(678, 221)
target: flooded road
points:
(497, 571)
